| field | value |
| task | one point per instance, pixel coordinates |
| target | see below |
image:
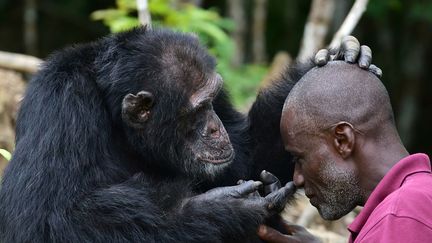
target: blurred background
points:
(253, 40)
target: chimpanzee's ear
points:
(136, 108)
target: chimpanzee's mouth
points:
(224, 158)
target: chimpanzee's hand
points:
(275, 201)
(274, 197)
(242, 190)
(350, 51)
(270, 182)
(278, 199)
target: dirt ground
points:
(12, 87)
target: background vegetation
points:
(251, 40)
(399, 32)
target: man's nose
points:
(298, 177)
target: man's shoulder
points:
(414, 191)
(412, 200)
(405, 211)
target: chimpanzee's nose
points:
(213, 129)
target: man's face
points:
(329, 181)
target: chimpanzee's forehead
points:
(208, 90)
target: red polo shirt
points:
(400, 208)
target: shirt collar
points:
(391, 181)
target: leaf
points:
(123, 23)
(127, 4)
(6, 154)
(107, 14)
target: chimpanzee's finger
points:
(246, 188)
(254, 194)
(365, 58)
(351, 48)
(348, 50)
(279, 198)
(251, 195)
(322, 57)
(270, 181)
(375, 70)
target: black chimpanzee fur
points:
(76, 177)
(256, 136)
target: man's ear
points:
(136, 109)
(344, 139)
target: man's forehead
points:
(289, 124)
(290, 120)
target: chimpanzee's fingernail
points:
(257, 184)
(349, 57)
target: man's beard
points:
(341, 194)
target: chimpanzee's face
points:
(207, 142)
(191, 137)
(170, 116)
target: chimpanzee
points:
(117, 139)
(112, 136)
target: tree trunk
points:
(236, 13)
(143, 13)
(19, 62)
(350, 22)
(316, 28)
(258, 31)
(30, 27)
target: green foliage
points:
(414, 10)
(422, 11)
(208, 25)
(379, 8)
(6, 154)
(242, 83)
(118, 19)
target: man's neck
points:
(377, 162)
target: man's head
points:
(332, 119)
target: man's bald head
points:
(338, 124)
(337, 92)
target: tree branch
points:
(316, 28)
(19, 62)
(258, 31)
(350, 22)
(236, 13)
(143, 13)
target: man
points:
(338, 122)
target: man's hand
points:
(295, 234)
(350, 51)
